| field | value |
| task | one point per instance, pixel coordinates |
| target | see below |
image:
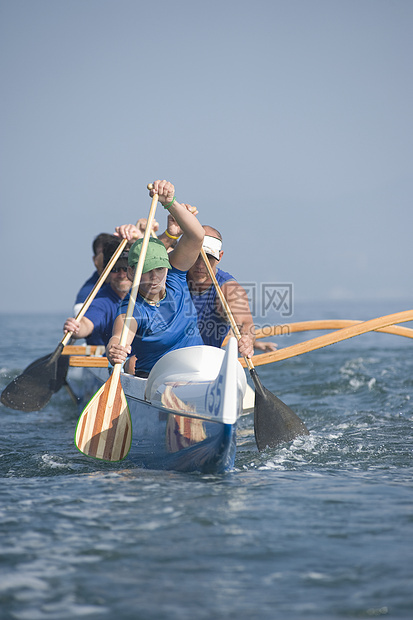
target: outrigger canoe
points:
(184, 415)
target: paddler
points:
(164, 317)
(96, 325)
(212, 321)
(98, 246)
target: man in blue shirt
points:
(98, 246)
(96, 325)
(212, 321)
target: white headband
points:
(212, 246)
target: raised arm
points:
(187, 250)
(132, 232)
(173, 231)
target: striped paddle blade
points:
(104, 429)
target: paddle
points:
(33, 389)
(104, 429)
(274, 421)
(337, 336)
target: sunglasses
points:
(117, 269)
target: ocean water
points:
(321, 527)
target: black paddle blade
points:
(274, 421)
(32, 390)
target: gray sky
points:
(287, 123)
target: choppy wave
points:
(317, 528)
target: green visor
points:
(156, 255)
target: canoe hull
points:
(173, 435)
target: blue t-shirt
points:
(171, 325)
(86, 288)
(102, 312)
(212, 325)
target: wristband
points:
(169, 204)
(170, 236)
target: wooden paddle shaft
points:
(225, 304)
(337, 336)
(138, 272)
